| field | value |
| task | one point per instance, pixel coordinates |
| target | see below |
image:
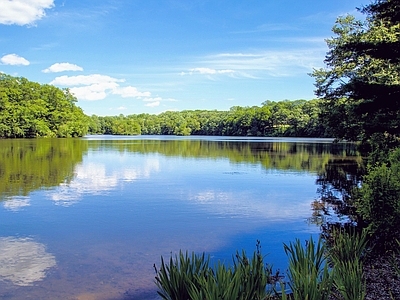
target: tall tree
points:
(360, 84)
(29, 109)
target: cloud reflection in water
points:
(23, 261)
(245, 204)
(16, 203)
(96, 178)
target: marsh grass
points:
(190, 277)
(176, 277)
(316, 272)
(346, 252)
(309, 274)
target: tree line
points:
(299, 118)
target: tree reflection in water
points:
(336, 183)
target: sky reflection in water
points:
(121, 209)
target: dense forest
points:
(283, 118)
(29, 109)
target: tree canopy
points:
(360, 85)
(297, 118)
(29, 109)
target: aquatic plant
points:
(190, 277)
(309, 274)
(346, 251)
(176, 277)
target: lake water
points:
(87, 218)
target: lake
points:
(88, 218)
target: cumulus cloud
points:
(62, 67)
(14, 60)
(97, 87)
(86, 80)
(23, 12)
(130, 91)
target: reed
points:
(176, 277)
(349, 281)
(309, 274)
(190, 277)
(346, 252)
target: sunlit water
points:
(88, 218)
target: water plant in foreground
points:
(176, 277)
(309, 275)
(191, 277)
(346, 251)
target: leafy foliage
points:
(378, 201)
(360, 85)
(28, 109)
(284, 118)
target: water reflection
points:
(23, 261)
(131, 200)
(29, 164)
(16, 203)
(95, 177)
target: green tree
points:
(29, 109)
(360, 84)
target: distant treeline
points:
(29, 109)
(299, 118)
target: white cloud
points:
(97, 87)
(23, 12)
(86, 80)
(152, 99)
(268, 63)
(153, 104)
(207, 71)
(91, 92)
(130, 91)
(61, 67)
(14, 60)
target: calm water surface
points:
(87, 218)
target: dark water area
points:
(87, 218)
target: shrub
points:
(378, 202)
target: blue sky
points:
(130, 56)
